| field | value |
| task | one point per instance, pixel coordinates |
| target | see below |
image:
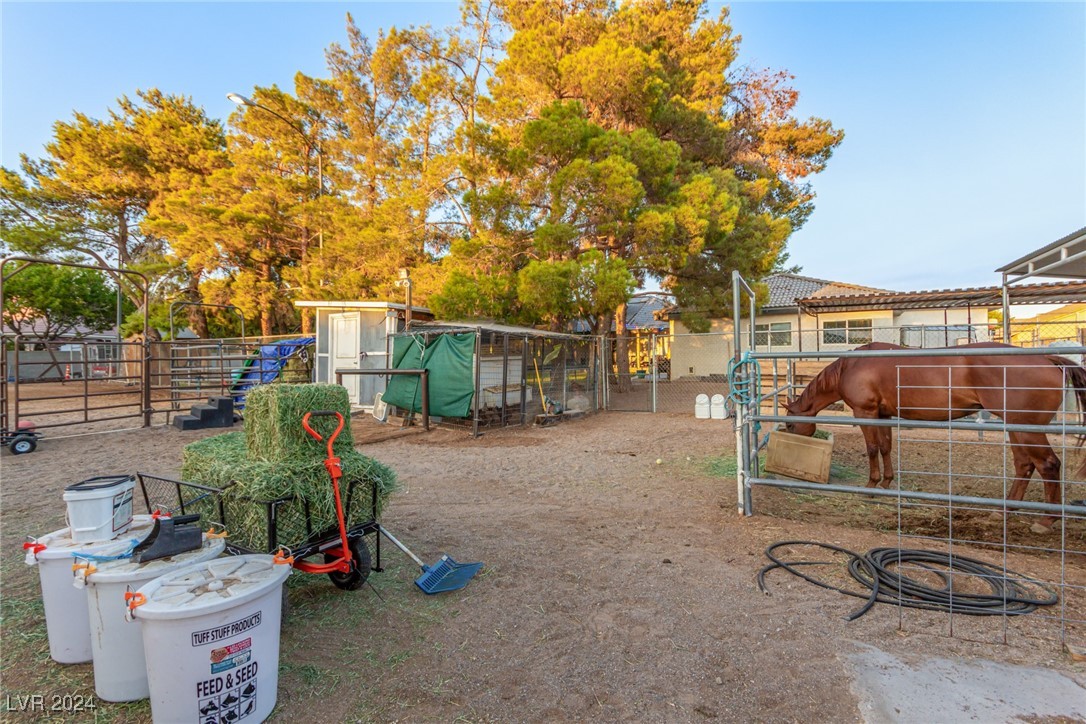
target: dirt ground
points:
(619, 582)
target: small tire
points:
(22, 444)
(361, 565)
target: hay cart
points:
(286, 525)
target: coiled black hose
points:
(1011, 594)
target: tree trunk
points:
(307, 322)
(122, 239)
(265, 321)
(266, 310)
(197, 315)
(622, 349)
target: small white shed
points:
(354, 335)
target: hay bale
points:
(224, 461)
(273, 421)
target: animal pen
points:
(74, 386)
(951, 492)
(492, 375)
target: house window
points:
(775, 334)
(848, 331)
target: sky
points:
(965, 123)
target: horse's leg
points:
(1047, 463)
(1023, 471)
(871, 439)
(1023, 468)
(886, 443)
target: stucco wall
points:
(700, 355)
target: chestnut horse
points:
(1020, 389)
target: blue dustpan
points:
(445, 575)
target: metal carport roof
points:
(1064, 258)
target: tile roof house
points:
(786, 289)
(810, 314)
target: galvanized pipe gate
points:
(748, 417)
(9, 419)
(952, 509)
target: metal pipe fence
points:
(952, 478)
(81, 386)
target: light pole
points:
(310, 145)
(405, 281)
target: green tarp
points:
(448, 357)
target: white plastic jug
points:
(100, 509)
(116, 645)
(66, 622)
(701, 407)
(211, 639)
(716, 407)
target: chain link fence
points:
(667, 372)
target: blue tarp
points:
(266, 366)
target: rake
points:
(445, 575)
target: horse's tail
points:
(1076, 377)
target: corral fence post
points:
(478, 381)
(655, 370)
(743, 394)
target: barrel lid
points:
(127, 570)
(59, 543)
(210, 586)
(102, 481)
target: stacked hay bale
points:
(275, 459)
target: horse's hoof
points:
(1040, 529)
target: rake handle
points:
(403, 548)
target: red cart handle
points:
(316, 435)
(332, 462)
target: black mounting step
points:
(218, 412)
(207, 414)
(187, 422)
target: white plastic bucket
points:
(211, 639)
(116, 645)
(716, 407)
(66, 621)
(701, 407)
(100, 509)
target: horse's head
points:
(807, 429)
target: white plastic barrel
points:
(211, 639)
(701, 407)
(99, 509)
(116, 645)
(716, 407)
(66, 621)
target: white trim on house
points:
(359, 305)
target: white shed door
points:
(373, 331)
(345, 349)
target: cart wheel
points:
(22, 444)
(360, 568)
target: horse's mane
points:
(828, 380)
